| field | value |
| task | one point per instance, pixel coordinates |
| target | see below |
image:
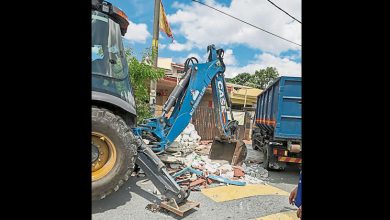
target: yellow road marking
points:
(289, 215)
(226, 193)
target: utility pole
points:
(153, 83)
(246, 92)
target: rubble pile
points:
(188, 162)
(255, 173)
(187, 141)
(203, 172)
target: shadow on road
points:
(287, 208)
(290, 175)
(123, 195)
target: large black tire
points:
(270, 158)
(266, 150)
(114, 127)
(255, 141)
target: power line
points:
(284, 11)
(247, 23)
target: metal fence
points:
(205, 124)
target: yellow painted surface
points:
(290, 215)
(247, 91)
(237, 96)
(226, 193)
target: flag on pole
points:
(164, 25)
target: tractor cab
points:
(110, 78)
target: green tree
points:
(261, 79)
(140, 75)
(240, 79)
(264, 77)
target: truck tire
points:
(254, 147)
(270, 161)
(255, 141)
(114, 152)
(266, 149)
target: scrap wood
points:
(217, 178)
(197, 182)
(182, 180)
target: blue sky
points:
(195, 26)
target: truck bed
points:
(279, 108)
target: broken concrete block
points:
(197, 182)
(174, 165)
(238, 172)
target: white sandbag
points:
(193, 134)
(185, 137)
(191, 127)
(187, 131)
(229, 174)
(198, 138)
(190, 139)
(209, 167)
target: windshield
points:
(109, 66)
(108, 56)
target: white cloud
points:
(137, 33)
(294, 56)
(202, 26)
(176, 46)
(162, 46)
(284, 66)
(229, 58)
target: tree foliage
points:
(261, 79)
(140, 75)
(241, 79)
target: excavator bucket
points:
(233, 151)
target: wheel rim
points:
(107, 156)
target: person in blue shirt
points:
(296, 196)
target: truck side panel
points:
(289, 116)
(267, 108)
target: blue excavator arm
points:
(163, 130)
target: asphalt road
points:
(130, 200)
